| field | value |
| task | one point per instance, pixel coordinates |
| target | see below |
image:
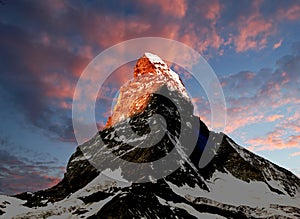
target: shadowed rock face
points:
(235, 184)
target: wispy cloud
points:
(175, 8)
(261, 98)
(274, 117)
(295, 154)
(278, 44)
(19, 173)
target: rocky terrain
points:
(144, 164)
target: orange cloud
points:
(274, 117)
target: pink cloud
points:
(65, 105)
(293, 122)
(21, 176)
(271, 92)
(213, 10)
(51, 181)
(58, 86)
(275, 140)
(278, 44)
(255, 29)
(253, 33)
(241, 120)
(292, 13)
(285, 135)
(175, 8)
(295, 154)
(274, 117)
(203, 33)
(202, 38)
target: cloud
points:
(42, 58)
(45, 48)
(291, 13)
(268, 96)
(176, 8)
(261, 97)
(39, 79)
(253, 33)
(295, 154)
(278, 44)
(253, 25)
(46, 58)
(274, 141)
(213, 11)
(274, 117)
(19, 173)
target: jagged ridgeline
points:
(144, 164)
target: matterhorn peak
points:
(145, 165)
(150, 74)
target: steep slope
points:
(222, 191)
(235, 184)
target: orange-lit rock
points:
(150, 74)
(143, 66)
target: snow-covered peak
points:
(154, 58)
(162, 68)
(151, 73)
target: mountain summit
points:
(151, 73)
(144, 164)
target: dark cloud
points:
(25, 67)
(19, 173)
(45, 45)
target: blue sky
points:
(253, 46)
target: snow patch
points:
(227, 189)
(188, 208)
(12, 206)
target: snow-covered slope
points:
(235, 184)
(182, 194)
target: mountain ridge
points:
(109, 176)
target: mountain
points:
(144, 164)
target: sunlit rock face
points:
(104, 176)
(151, 73)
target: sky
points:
(253, 47)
